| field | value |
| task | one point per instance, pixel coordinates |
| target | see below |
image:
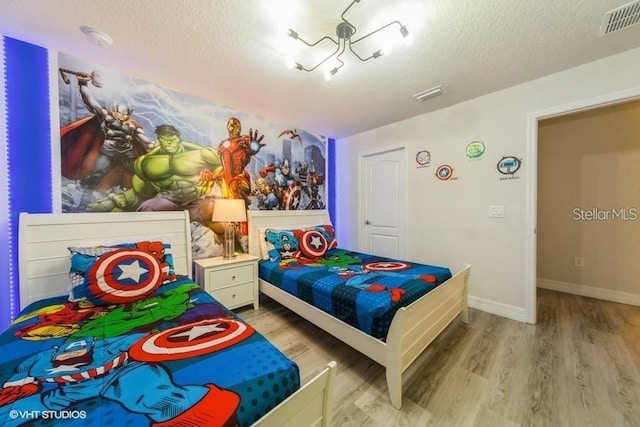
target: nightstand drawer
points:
(230, 276)
(234, 296)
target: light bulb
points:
(408, 40)
(291, 63)
(329, 74)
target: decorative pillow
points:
(329, 234)
(313, 243)
(281, 244)
(121, 273)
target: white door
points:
(384, 221)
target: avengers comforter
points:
(362, 290)
(177, 357)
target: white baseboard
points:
(497, 308)
(590, 291)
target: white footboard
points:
(309, 406)
(415, 326)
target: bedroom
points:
(502, 119)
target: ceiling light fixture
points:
(345, 31)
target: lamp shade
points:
(229, 210)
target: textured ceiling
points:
(233, 52)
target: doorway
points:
(532, 181)
(383, 202)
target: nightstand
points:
(233, 282)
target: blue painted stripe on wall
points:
(331, 171)
(29, 158)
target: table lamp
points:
(229, 211)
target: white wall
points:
(448, 220)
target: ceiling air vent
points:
(620, 18)
(429, 93)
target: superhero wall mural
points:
(130, 145)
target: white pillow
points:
(264, 249)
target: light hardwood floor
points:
(578, 366)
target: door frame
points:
(533, 118)
(362, 156)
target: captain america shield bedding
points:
(136, 345)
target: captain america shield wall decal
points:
(124, 275)
(444, 173)
(190, 340)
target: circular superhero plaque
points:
(423, 158)
(444, 172)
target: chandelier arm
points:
(313, 44)
(358, 56)
(325, 59)
(344, 46)
(345, 11)
(375, 31)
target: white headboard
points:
(44, 238)
(281, 219)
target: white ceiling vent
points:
(429, 93)
(620, 18)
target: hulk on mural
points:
(175, 175)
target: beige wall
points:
(590, 161)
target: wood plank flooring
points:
(579, 366)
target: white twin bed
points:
(44, 272)
(413, 327)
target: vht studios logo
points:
(508, 166)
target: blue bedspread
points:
(177, 357)
(362, 290)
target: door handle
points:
(367, 222)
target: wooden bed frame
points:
(44, 272)
(413, 327)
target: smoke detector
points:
(620, 18)
(97, 37)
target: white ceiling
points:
(233, 52)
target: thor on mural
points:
(131, 145)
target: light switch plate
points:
(496, 211)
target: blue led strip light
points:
(26, 73)
(5, 291)
(331, 172)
